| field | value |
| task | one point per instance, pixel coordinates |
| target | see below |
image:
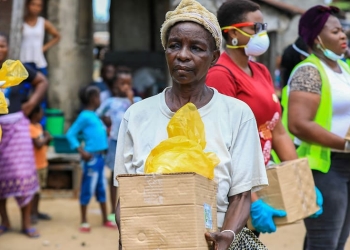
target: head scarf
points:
(313, 21)
(192, 11)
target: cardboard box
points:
(291, 188)
(347, 137)
(168, 211)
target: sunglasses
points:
(329, 9)
(258, 27)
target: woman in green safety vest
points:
(318, 115)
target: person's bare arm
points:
(302, 109)
(283, 144)
(106, 120)
(235, 219)
(40, 86)
(51, 29)
(40, 142)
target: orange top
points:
(36, 131)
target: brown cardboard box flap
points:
(165, 189)
(156, 174)
(347, 137)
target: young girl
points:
(41, 140)
(95, 138)
(33, 33)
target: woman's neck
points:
(30, 18)
(332, 64)
(179, 95)
(240, 59)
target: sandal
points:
(85, 228)
(31, 232)
(110, 224)
(3, 229)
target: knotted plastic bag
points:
(183, 151)
(12, 73)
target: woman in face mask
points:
(318, 115)
(244, 31)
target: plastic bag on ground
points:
(183, 151)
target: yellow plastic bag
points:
(183, 151)
(3, 104)
(13, 72)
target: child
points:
(95, 139)
(112, 112)
(40, 139)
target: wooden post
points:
(16, 28)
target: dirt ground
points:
(62, 232)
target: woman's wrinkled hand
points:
(219, 240)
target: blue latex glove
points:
(319, 202)
(262, 216)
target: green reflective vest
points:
(318, 156)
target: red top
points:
(257, 91)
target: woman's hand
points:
(130, 95)
(84, 155)
(220, 240)
(262, 216)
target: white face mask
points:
(328, 53)
(257, 45)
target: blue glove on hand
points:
(262, 216)
(319, 202)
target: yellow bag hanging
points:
(13, 72)
(183, 151)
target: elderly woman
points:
(319, 116)
(17, 167)
(191, 38)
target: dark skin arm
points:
(49, 28)
(236, 218)
(302, 108)
(84, 155)
(106, 120)
(39, 143)
(40, 86)
(282, 143)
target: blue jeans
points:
(331, 230)
(93, 181)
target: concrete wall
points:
(291, 33)
(5, 16)
(70, 62)
(130, 25)
(135, 24)
(305, 4)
